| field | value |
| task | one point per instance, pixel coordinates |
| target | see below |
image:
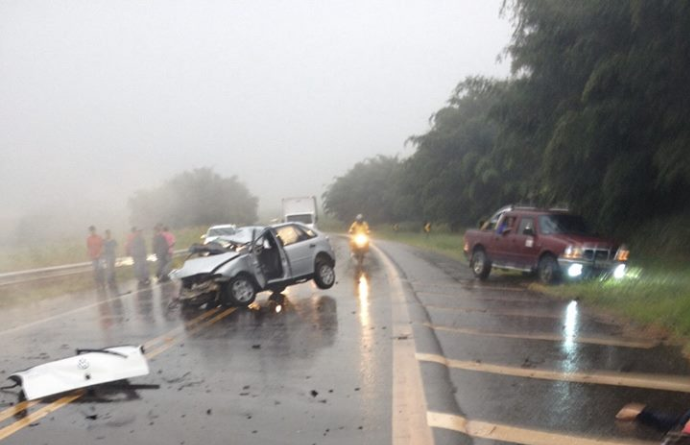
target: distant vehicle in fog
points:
(301, 210)
(214, 232)
(551, 242)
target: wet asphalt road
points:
(497, 364)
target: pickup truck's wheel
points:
(324, 274)
(240, 291)
(548, 269)
(481, 267)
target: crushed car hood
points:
(89, 368)
(205, 264)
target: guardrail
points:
(26, 276)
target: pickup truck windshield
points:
(562, 224)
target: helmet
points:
(359, 218)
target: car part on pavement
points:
(89, 367)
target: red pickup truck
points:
(551, 242)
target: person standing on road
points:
(676, 427)
(161, 249)
(170, 239)
(94, 248)
(136, 248)
(109, 255)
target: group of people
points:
(102, 252)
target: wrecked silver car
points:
(233, 269)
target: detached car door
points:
(299, 247)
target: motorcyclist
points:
(359, 226)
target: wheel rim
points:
(242, 290)
(478, 265)
(326, 273)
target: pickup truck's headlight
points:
(622, 253)
(572, 252)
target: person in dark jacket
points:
(136, 248)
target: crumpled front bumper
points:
(199, 290)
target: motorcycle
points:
(359, 245)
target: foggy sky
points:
(100, 98)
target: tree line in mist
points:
(199, 197)
(596, 117)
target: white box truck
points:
(301, 209)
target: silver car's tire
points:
(324, 274)
(240, 291)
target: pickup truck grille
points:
(597, 254)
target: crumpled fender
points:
(207, 264)
(89, 368)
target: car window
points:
(305, 233)
(288, 235)
(507, 222)
(562, 224)
(526, 226)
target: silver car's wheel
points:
(241, 291)
(324, 274)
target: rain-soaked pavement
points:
(497, 364)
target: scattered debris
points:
(314, 393)
(208, 411)
(92, 416)
(256, 346)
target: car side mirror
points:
(506, 231)
(203, 236)
(481, 223)
(528, 232)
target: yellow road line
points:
(606, 341)
(37, 415)
(16, 409)
(513, 434)
(195, 325)
(164, 347)
(503, 313)
(166, 337)
(647, 381)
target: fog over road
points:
(408, 339)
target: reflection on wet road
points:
(280, 371)
(499, 364)
(528, 369)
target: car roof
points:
(223, 226)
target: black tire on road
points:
(481, 267)
(549, 271)
(240, 291)
(324, 274)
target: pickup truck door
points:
(503, 244)
(525, 242)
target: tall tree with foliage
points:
(199, 197)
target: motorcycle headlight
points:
(361, 240)
(622, 253)
(572, 252)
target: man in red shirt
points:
(94, 248)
